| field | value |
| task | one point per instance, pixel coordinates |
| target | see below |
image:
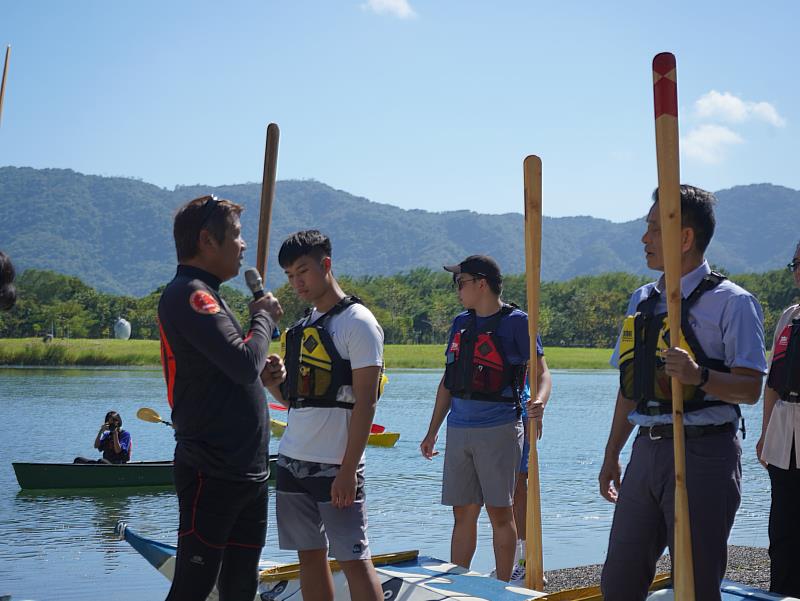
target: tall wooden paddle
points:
(3, 81)
(267, 197)
(665, 96)
(532, 168)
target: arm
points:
(272, 376)
(365, 391)
(743, 339)
(611, 471)
(99, 435)
(741, 386)
(770, 398)
(440, 411)
(218, 338)
(544, 385)
(115, 440)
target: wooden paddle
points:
(149, 415)
(532, 168)
(267, 197)
(3, 81)
(665, 97)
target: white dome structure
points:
(122, 329)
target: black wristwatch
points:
(703, 377)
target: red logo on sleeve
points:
(204, 303)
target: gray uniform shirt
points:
(729, 325)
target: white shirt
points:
(784, 423)
(320, 434)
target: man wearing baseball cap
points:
(486, 357)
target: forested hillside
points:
(115, 234)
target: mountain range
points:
(116, 233)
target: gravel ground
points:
(746, 565)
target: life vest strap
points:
(665, 408)
(300, 403)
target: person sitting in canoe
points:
(479, 394)
(334, 363)
(112, 441)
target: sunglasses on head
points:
(208, 209)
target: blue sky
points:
(417, 103)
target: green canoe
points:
(98, 475)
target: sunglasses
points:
(209, 207)
(459, 283)
(793, 265)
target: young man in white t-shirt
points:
(334, 365)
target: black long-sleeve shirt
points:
(219, 408)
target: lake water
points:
(61, 546)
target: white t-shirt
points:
(320, 433)
(784, 423)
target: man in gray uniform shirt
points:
(721, 364)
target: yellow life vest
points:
(645, 336)
(315, 371)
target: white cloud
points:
(709, 143)
(398, 8)
(728, 107)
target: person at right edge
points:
(777, 450)
(720, 363)
(216, 374)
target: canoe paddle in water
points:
(149, 415)
(374, 429)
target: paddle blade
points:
(149, 415)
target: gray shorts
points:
(481, 465)
(306, 518)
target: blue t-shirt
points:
(106, 447)
(515, 342)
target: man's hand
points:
(269, 304)
(427, 445)
(343, 489)
(535, 409)
(610, 472)
(759, 450)
(274, 372)
(679, 364)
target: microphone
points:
(254, 282)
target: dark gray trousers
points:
(644, 515)
(784, 529)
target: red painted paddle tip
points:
(663, 63)
(665, 85)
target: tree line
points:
(415, 307)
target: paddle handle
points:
(532, 172)
(267, 198)
(3, 81)
(665, 97)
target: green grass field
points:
(32, 351)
